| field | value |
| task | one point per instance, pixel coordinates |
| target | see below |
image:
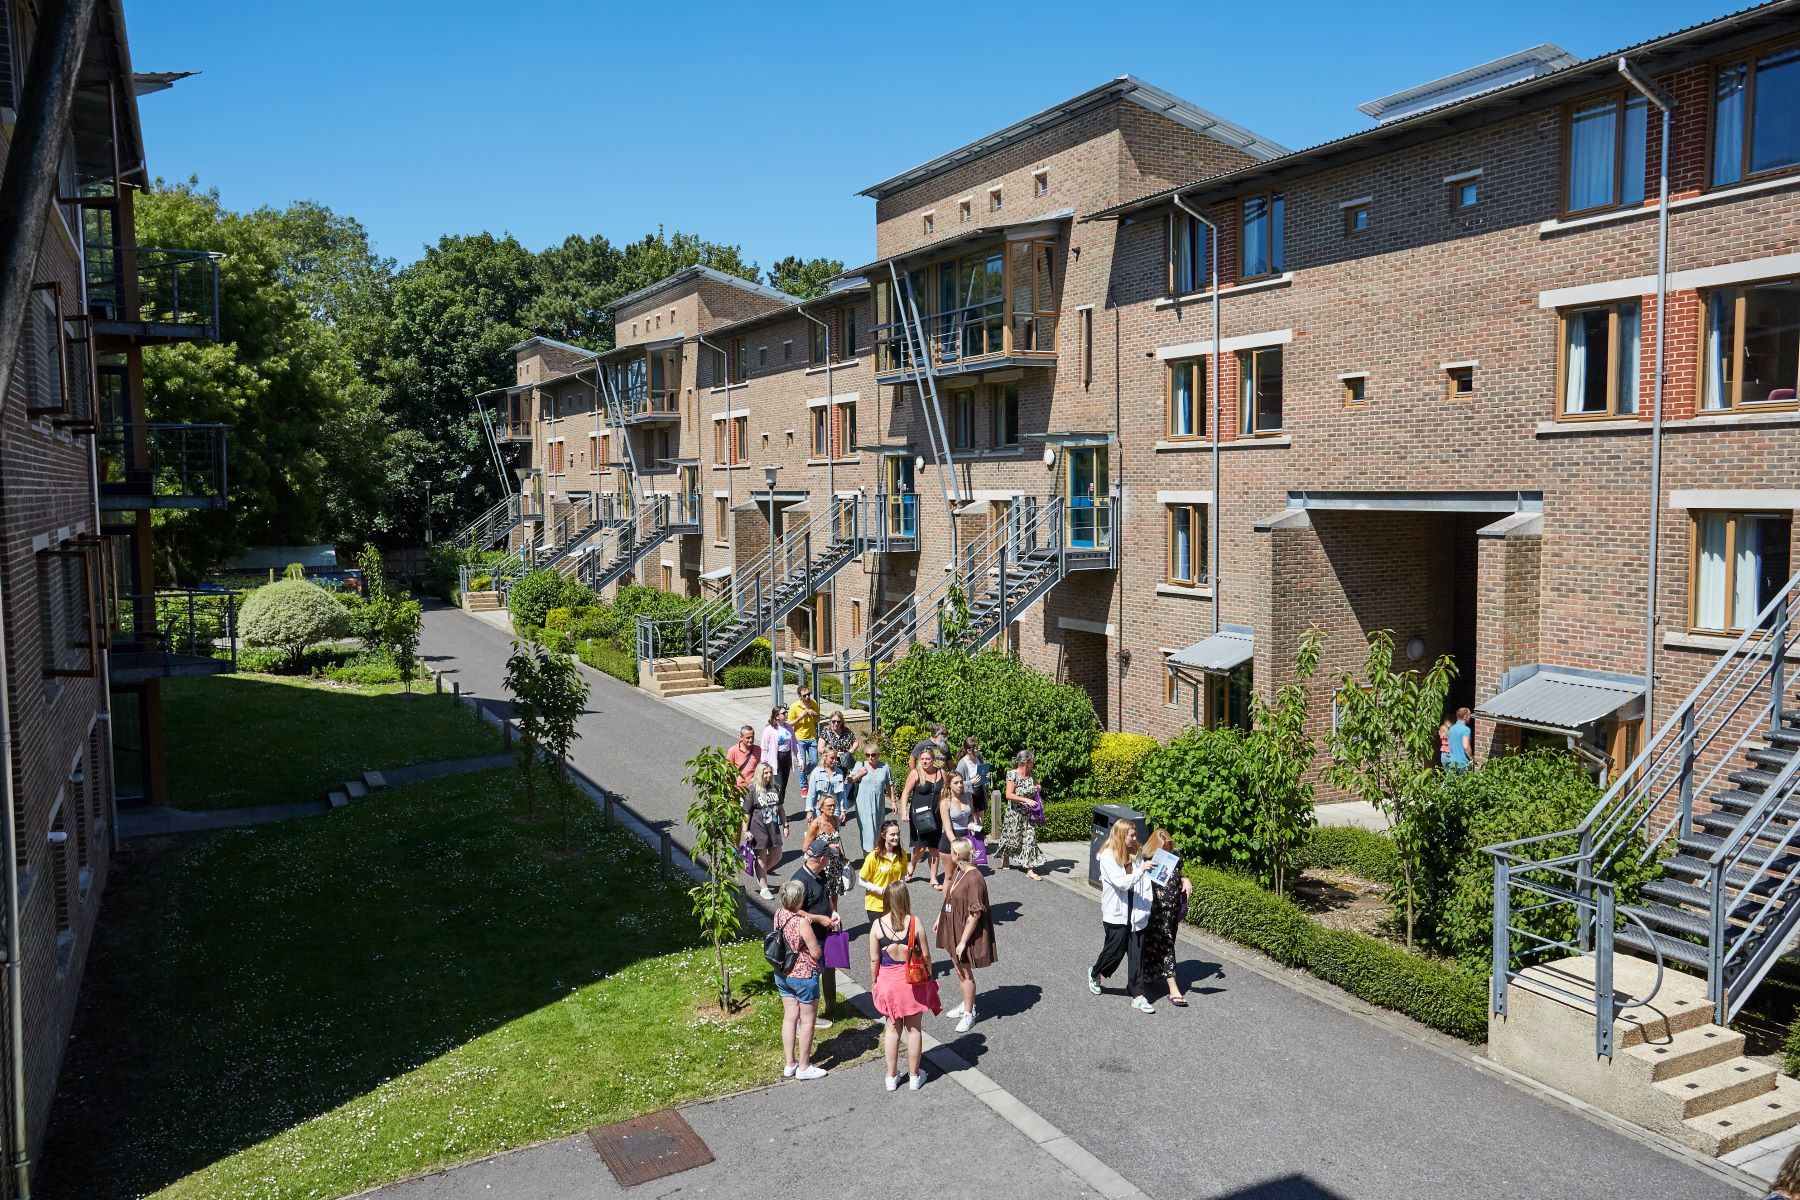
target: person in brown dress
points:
(965, 928)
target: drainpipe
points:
(1666, 103)
(1212, 400)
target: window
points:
(930, 223)
(67, 586)
(1751, 346)
(1600, 361)
(1187, 545)
(1186, 399)
(1357, 218)
(815, 347)
(762, 356)
(1263, 220)
(1740, 561)
(994, 200)
(556, 458)
(1465, 193)
(815, 621)
(1005, 403)
(1171, 685)
(856, 621)
(1767, 88)
(964, 210)
(1040, 182)
(1260, 374)
(1187, 255)
(1604, 145)
(740, 367)
(46, 374)
(1355, 390)
(1459, 381)
(846, 430)
(846, 345)
(668, 578)
(821, 431)
(740, 439)
(962, 420)
(1086, 331)
(721, 505)
(721, 447)
(787, 349)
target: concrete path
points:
(1260, 1089)
(1359, 814)
(732, 710)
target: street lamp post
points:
(769, 474)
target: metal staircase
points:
(567, 538)
(1724, 902)
(657, 517)
(492, 526)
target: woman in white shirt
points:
(1125, 897)
(778, 747)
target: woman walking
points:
(1124, 911)
(1168, 904)
(1024, 813)
(798, 986)
(825, 827)
(965, 928)
(777, 746)
(900, 964)
(763, 819)
(885, 865)
(977, 776)
(924, 785)
(957, 817)
(874, 784)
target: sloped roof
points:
(702, 272)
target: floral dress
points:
(1159, 935)
(1018, 834)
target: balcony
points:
(162, 466)
(148, 297)
(173, 632)
(897, 529)
(986, 310)
(647, 384)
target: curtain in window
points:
(1709, 574)
(1637, 138)
(1181, 551)
(1256, 238)
(1775, 126)
(1728, 126)
(1748, 576)
(1592, 131)
(1721, 310)
(1575, 371)
(1181, 400)
(1628, 358)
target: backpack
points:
(781, 956)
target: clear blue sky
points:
(754, 125)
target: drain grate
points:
(646, 1148)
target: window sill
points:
(836, 366)
(1000, 452)
(1258, 442)
(833, 462)
(1179, 444)
(1716, 643)
(1200, 592)
(1236, 289)
(1648, 208)
(1712, 420)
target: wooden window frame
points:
(1171, 685)
(1355, 390)
(1085, 331)
(1275, 250)
(962, 412)
(843, 429)
(1732, 519)
(1247, 375)
(1622, 96)
(740, 440)
(856, 621)
(721, 515)
(1747, 59)
(817, 350)
(1173, 255)
(818, 433)
(1450, 377)
(1351, 212)
(1455, 189)
(53, 289)
(1197, 393)
(1040, 182)
(1611, 411)
(996, 408)
(739, 367)
(1734, 399)
(1200, 574)
(58, 568)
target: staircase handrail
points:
(483, 526)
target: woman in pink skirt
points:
(892, 938)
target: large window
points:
(1187, 255)
(1187, 544)
(846, 430)
(1740, 560)
(1260, 374)
(816, 346)
(1264, 218)
(1005, 403)
(1756, 115)
(1186, 399)
(962, 420)
(1751, 346)
(1600, 361)
(821, 431)
(1605, 142)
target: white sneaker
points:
(821, 1023)
(1142, 1005)
(954, 1013)
(787, 1072)
(810, 1072)
(967, 1023)
(893, 1083)
(766, 893)
(1093, 984)
(918, 1081)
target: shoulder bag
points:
(917, 969)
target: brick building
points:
(1431, 410)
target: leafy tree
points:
(290, 615)
(1197, 789)
(717, 818)
(1277, 757)
(522, 683)
(560, 695)
(804, 277)
(1385, 748)
(401, 630)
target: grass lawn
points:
(238, 740)
(312, 1008)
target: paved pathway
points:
(1258, 1090)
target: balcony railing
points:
(176, 631)
(148, 294)
(162, 466)
(993, 305)
(652, 405)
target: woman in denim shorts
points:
(799, 987)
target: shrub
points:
(605, 657)
(291, 615)
(743, 675)
(1067, 821)
(1435, 992)
(591, 621)
(364, 673)
(1195, 788)
(1235, 907)
(558, 618)
(481, 583)
(904, 738)
(537, 592)
(1359, 851)
(551, 639)
(995, 698)
(1116, 761)
(758, 654)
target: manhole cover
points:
(646, 1148)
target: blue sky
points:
(544, 118)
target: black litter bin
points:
(1104, 816)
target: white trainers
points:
(766, 894)
(1093, 984)
(967, 1023)
(954, 1013)
(918, 1081)
(821, 1022)
(893, 1083)
(810, 1072)
(787, 1072)
(1142, 1005)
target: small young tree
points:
(561, 697)
(1385, 746)
(400, 630)
(717, 817)
(374, 572)
(1277, 755)
(522, 682)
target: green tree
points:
(400, 629)
(522, 682)
(1385, 748)
(291, 615)
(804, 277)
(1197, 789)
(560, 695)
(1277, 756)
(716, 816)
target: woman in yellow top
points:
(803, 715)
(885, 865)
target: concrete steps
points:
(682, 675)
(1673, 1070)
(481, 601)
(355, 789)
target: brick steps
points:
(481, 601)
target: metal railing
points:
(169, 465)
(655, 517)
(660, 402)
(495, 522)
(1649, 807)
(155, 286)
(198, 623)
(899, 519)
(972, 333)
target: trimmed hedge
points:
(1358, 851)
(607, 658)
(745, 675)
(1065, 820)
(1116, 762)
(1434, 992)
